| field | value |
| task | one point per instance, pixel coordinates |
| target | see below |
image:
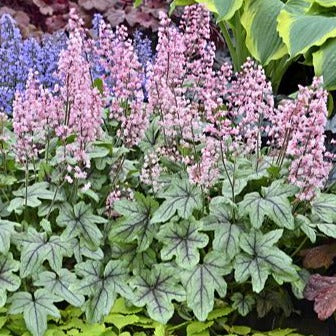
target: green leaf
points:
(36, 248)
(302, 30)
(136, 222)
(326, 3)
(35, 309)
(325, 64)
(102, 284)
(7, 228)
(201, 282)
(243, 304)
(261, 258)
(58, 284)
(260, 22)
(182, 239)
(121, 321)
(80, 251)
(273, 203)
(226, 234)
(122, 307)
(195, 328)
(226, 9)
(98, 84)
(181, 197)
(156, 289)
(8, 281)
(80, 222)
(306, 226)
(324, 207)
(329, 229)
(35, 193)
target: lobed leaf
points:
(182, 239)
(202, 280)
(181, 197)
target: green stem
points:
(299, 247)
(229, 44)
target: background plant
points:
(294, 29)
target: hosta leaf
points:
(226, 234)
(226, 9)
(326, 3)
(8, 281)
(58, 284)
(36, 248)
(260, 22)
(301, 30)
(35, 193)
(273, 203)
(243, 304)
(181, 197)
(136, 222)
(7, 228)
(182, 239)
(261, 258)
(80, 222)
(324, 207)
(201, 282)
(325, 64)
(102, 284)
(35, 309)
(156, 289)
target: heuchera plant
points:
(199, 192)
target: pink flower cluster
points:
(29, 119)
(202, 112)
(298, 131)
(72, 108)
(124, 70)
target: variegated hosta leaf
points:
(36, 248)
(136, 221)
(272, 202)
(326, 3)
(260, 22)
(226, 233)
(35, 309)
(7, 228)
(300, 30)
(183, 240)
(8, 281)
(226, 9)
(325, 63)
(324, 207)
(181, 197)
(202, 280)
(79, 221)
(59, 285)
(156, 289)
(261, 258)
(101, 284)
